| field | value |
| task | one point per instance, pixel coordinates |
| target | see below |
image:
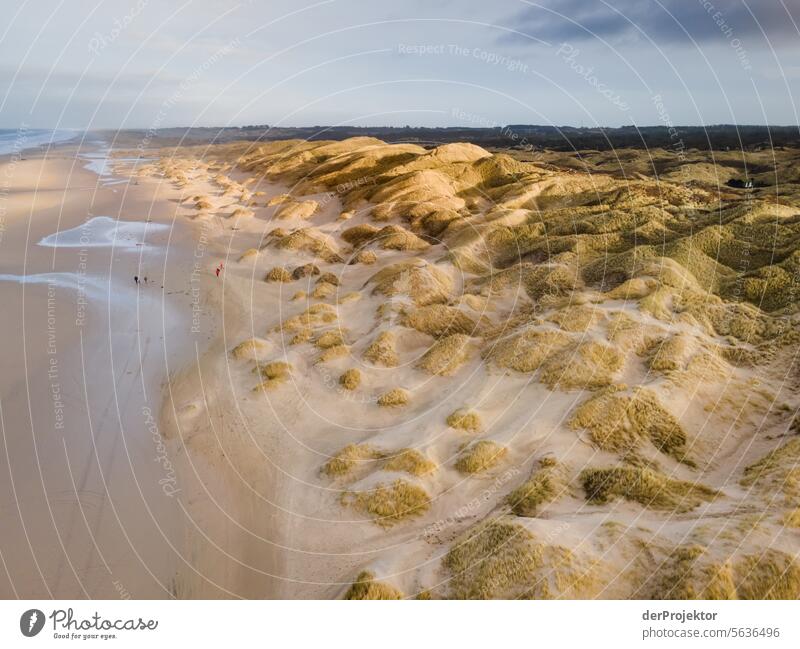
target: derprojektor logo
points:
(31, 622)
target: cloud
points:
(664, 21)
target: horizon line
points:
(387, 126)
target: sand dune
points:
(544, 382)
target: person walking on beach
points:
(136, 279)
(217, 271)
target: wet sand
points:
(89, 491)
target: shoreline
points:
(95, 512)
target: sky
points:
(161, 63)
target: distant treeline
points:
(515, 136)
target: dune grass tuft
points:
(391, 503)
(411, 461)
(545, 485)
(250, 253)
(322, 291)
(588, 366)
(278, 274)
(576, 318)
(291, 209)
(768, 575)
(779, 469)
(689, 573)
(396, 237)
(248, 349)
(628, 334)
(307, 240)
(329, 339)
(421, 281)
(446, 355)
(271, 384)
(644, 486)
(670, 354)
(328, 278)
(686, 574)
(381, 351)
(274, 375)
(501, 559)
(394, 398)
(359, 235)
(493, 560)
(366, 257)
(350, 457)
(242, 212)
(438, 320)
(350, 296)
(277, 200)
(350, 379)
(314, 316)
(480, 456)
(792, 518)
(272, 370)
(528, 350)
(465, 419)
(305, 270)
(365, 587)
(619, 421)
(302, 336)
(333, 353)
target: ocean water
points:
(16, 140)
(103, 231)
(96, 155)
(91, 286)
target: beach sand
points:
(89, 491)
(369, 393)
